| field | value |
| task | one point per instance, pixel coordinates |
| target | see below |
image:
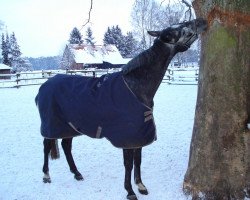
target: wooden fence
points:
(184, 76)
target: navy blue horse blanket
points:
(73, 105)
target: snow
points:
(87, 56)
(164, 162)
(3, 66)
(98, 54)
(113, 56)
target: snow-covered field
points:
(163, 166)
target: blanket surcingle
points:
(73, 105)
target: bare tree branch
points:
(189, 9)
(162, 2)
(88, 20)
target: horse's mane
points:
(143, 58)
(131, 65)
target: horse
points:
(117, 106)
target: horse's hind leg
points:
(137, 171)
(128, 155)
(46, 150)
(67, 147)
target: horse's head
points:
(181, 35)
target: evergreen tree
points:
(114, 36)
(12, 55)
(75, 37)
(108, 37)
(89, 37)
(21, 64)
(118, 37)
(8, 49)
(1, 29)
(17, 63)
(127, 45)
(14, 49)
(5, 58)
(131, 47)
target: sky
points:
(42, 27)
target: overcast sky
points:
(42, 27)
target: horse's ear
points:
(154, 33)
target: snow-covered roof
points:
(3, 66)
(112, 55)
(97, 54)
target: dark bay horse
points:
(117, 106)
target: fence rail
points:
(183, 76)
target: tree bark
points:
(219, 162)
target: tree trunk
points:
(219, 162)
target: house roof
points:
(97, 54)
(3, 66)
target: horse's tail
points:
(36, 99)
(54, 152)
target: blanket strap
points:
(148, 115)
(98, 132)
(75, 129)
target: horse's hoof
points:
(142, 189)
(46, 178)
(79, 177)
(132, 197)
(144, 192)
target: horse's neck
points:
(144, 73)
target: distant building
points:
(4, 69)
(91, 56)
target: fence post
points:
(170, 71)
(17, 78)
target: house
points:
(4, 69)
(91, 56)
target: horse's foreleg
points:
(137, 171)
(128, 155)
(46, 150)
(67, 147)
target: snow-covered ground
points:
(164, 162)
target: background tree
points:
(114, 36)
(108, 37)
(126, 44)
(131, 46)
(14, 52)
(5, 54)
(144, 17)
(8, 49)
(12, 55)
(1, 32)
(1, 25)
(152, 15)
(45, 63)
(89, 37)
(219, 162)
(21, 64)
(75, 37)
